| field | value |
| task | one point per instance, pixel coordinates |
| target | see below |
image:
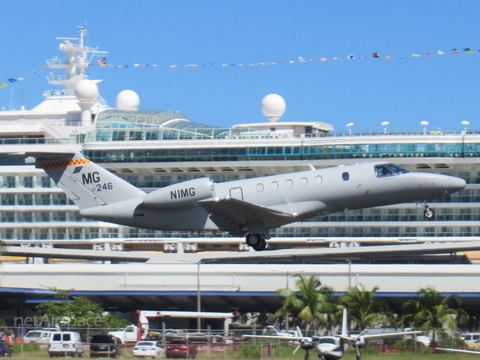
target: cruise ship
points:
(154, 148)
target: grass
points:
(281, 353)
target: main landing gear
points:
(256, 241)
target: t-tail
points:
(85, 183)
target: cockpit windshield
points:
(328, 340)
(389, 170)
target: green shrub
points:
(249, 352)
(32, 347)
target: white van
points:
(65, 343)
(41, 337)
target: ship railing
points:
(55, 77)
(56, 62)
(34, 141)
(435, 132)
(110, 131)
(64, 92)
(49, 93)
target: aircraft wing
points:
(376, 336)
(231, 214)
(473, 352)
(289, 338)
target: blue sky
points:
(441, 89)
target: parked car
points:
(105, 345)
(65, 343)
(181, 348)
(151, 349)
(41, 337)
(5, 348)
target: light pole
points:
(199, 298)
(349, 273)
(287, 286)
(349, 126)
(385, 124)
(424, 124)
(464, 132)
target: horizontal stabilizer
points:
(44, 155)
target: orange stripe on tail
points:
(64, 164)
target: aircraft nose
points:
(456, 184)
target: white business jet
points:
(248, 207)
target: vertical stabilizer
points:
(344, 323)
(85, 183)
(344, 329)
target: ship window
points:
(274, 185)
(10, 182)
(28, 181)
(304, 181)
(260, 187)
(318, 179)
(45, 181)
(289, 184)
(345, 176)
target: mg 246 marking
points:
(94, 177)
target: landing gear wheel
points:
(256, 241)
(429, 214)
(262, 245)
(253, 240)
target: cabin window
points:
(345, 176)
(274, 185)
(304, 181)
(289, 183)
(260, 187)
(318, 179)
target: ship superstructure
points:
(153, 148)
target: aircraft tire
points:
(429, 214)
(256, 241)
(262, 245)
(252, 240)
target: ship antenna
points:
(11, 97)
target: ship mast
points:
(75, 61)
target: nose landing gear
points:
(428, 213)
(256, 241)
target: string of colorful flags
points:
(103, 62)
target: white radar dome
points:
(273, 107)
(86, 90)
(128, 100)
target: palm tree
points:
(310, 305)
(434, 312)
(364, 308)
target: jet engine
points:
(180, 195)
